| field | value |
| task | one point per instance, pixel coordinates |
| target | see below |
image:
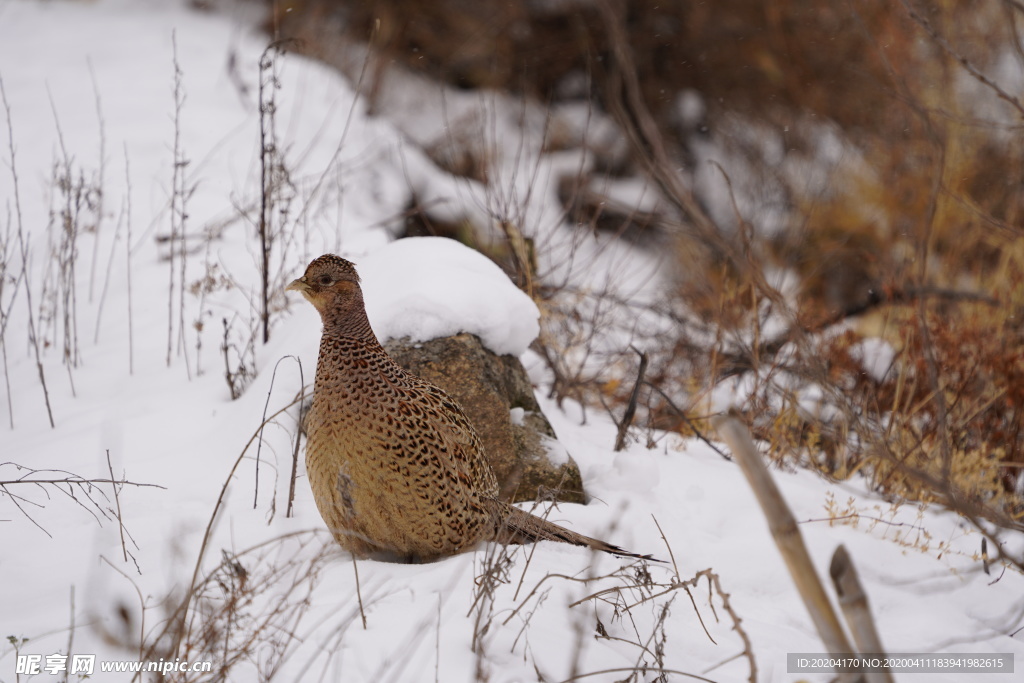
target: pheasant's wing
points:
(442, 459)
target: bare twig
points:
(359, 591)
(106, 277)
(128, 257)
(100, 623)
(99, 180)
(627, 417)
(602, 672)
(963, 61)
(273, 172)
(71, 631)
(117, 502)
(748, 648)
(76, 198)
(67, 485)
(627, 105)
(238, 377)
(32, 337)
(24, 252)
(180, 615)
(682, 414)
(259, 443)
(298, 440)
(268, 159)
(671, 555)
(739, 363)
(177, 242)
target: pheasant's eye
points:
(325, 279)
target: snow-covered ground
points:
(90, 88)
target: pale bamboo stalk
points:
(854, 603)
(786, 534)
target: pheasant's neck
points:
(347, 318)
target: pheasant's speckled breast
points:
(394, 464)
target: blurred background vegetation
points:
(874, 166)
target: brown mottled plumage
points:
(396, 469)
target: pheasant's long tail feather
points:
(522, 527)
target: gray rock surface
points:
(497, 396)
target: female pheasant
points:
(396, 469)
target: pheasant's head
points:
(330, 283)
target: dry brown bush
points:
(913, 236)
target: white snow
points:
(428, 287)
(876, 356)
(556, 452)
(173, 424)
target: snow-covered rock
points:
(428, 287)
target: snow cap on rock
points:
(429, 287)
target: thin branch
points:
(737, 364)
(298, 439)
(128, 257)
(963, 61)
(627, 418)
(181, 613)
(23, 249)
(259, 443)
(117, 502)
(682, 414)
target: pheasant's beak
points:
(299, 285)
